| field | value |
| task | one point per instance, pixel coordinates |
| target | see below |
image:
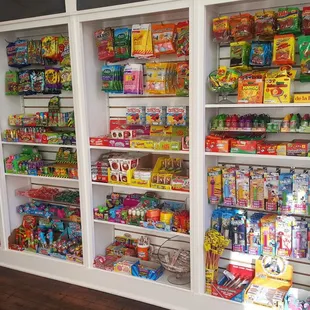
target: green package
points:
(112, 79)
(289, 20)
(304, 52)
(11, 83)
(240, 55)
(122, 43)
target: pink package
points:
(133, 79)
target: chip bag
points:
(141, 41)
(221, 29)
(241, 27)
(64, 51)
(306, 20)
(24, 86)
(21, 56)
(66, 78)
(52, 81)
(11, 83)
(284, 49)
(239, 55)
(37, 79)
(260, 54)
(50, 47)
(304, 52)
(182, 44)
(35, 52)
(105, 44)
(288, 21)
(11, 53)
(164, 36)
(265, 24)
(122, 43)
(182, 88)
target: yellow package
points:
(156, 78)
(141, 41)
(278, 90)
(49, 47)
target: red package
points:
(306, 20)
(105, 44)
(241, 27)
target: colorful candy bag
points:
(141, 41)
(122, 43)
(64, 51)
(284, 49)
(265, 24)
(37, 79)
(182, 88)
(21, 56)
(221, 29)
(156, 78)
(260, 54)
(241, 27)
(105, 42)
(164, 36)
(35, 52)
(182, 44)
(112, 79)
(11, 83)
(66, 78)
(304, 52)
(133, 79)
(288, 20)
(11, 53)
(50, 47)
(52, 81)
(24, 86)
(240, 55)
(306, 20)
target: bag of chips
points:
(304, 52)
(11, 53)
(105, 44)
(284, 49)
(306, 20)
(66, 78)
(11, 83)
(164, 36)
(182, 44)
(52, 81)
(221, 29)
(64, 51)
(122, 43)
(37, 79)
(260, 54)
(24, 86)
(265, 24)
(21, 56)
(50, 47)
(241, 27)
(35, 52)
(240, 55)
(288, 20)
(141, 41)
(182, 87)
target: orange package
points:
(284, 49)
(251, 88)
(164, 37)
(242, 27)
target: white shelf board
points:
(256, 105)
(143, 229)
(257, 156)
(127, 149)
(39, 144)
(40, 177)
(147, 189)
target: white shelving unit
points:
(93, 110)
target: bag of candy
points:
(141, 41)
(37, 79)
(241, 27)
(306, 20)
(35, 52)
(164, 36)
(21, 56)
(265, 24)
(66, 78)
(182, 87)
(133, 79)
(304, 52)
(284, 49)
(105, 42)
(52, 81)
(11, 54)
(112, 79)
(260, 54)
(288, 20)
(11, 83)
(24, 86)
(122, 43)
(182, 39)
(156, 78)
(240, 55)
(64, 51)
(49, 47)
(221, 29)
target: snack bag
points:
(182, 44)
(265, 24)
(64, 51)
(260, 54)
(112, 79)
(11, 83)
(50, 47)
(35, 52)
(241, 27)
(52, 81)
(182, 87)
(284, 49)
(24, 86)
(133, 79)
(239, 55)
(288, 20)
(164, 36)
(37, 79)
(306, 20)
(122, 43)
(156, 78)
(141, 41)
(11, 54)
(304, 52)
(221, 29)
(21, 56)
(104, 42)
(66, 78)
(250, 90)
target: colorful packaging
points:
(257, 189)
(52, 81)
(229, 186)
(112, 79)
(135, 116)
(304, 52)
(37, 79)
(306, 20)
(216, 220)
(268, 235)
(286, 201)
(300, 193)
(176, 116)
(49, 47)
(225, 222)
(271, 190)
(243, 187)
(104, 42)
(250, 90)
(300, 239)
(21, 56)
(238, 228)
(11, 53)
(24, 85)
(284, 235)
(11, 83)
(278, 90)
(261, 54)
(182, 44)
(35, 52)
(182, 88)
(284, 49)
(221, 29)
(241, 27)
(164, 36)
(64, 51)
(141, 41)
(265, 24)
(122, 43)
(253, 228)
(133, 79)
(155, 115)
(215, 185)
(66, 78)
(240, 55)
(288, 20)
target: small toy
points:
(300, 193)
(221, 29)
(240, 55)
(288, 20)
(284, 49)
(271, 190)
(243, 187)
(241, 27)
(164, 36)
(229, 186)
(265, 24)
(257, 189)
(268, 234)
(253, 234)
(286, 193)
(238, 227)
(299, 238)
(215, 185)
(284, 236)
(177, 116)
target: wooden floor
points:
(20, 290)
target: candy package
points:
(182, 44)
(164, 36)
(24, 86)
(306, 20)
(284, 49)
(141, 41)
(260, 54)
(11, 83)
(286, 193)
(35, 52)
(21, 56)
(221, 29)
(105, 44)
(112, 79)
(133, 79)
(304, 52)
(50, 47)
(156, 78)
(122, 43)
(241, 27)
(11, 53)
(37, 79)
(182, 87)
(64, 51)
(288, 20)
(240, 55)
(265, 24)
(52, 81)
(66, 78)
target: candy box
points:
(147, 270)
(278, 90)
(180, 183)
(244, 146)
(243, 187)
(123, 134)
(215, 185)
(99, 141)
(271, 148)
(142, 143)
(135, 115)
(271, 190)
(155, 115)
(217, 144)
(125, 264)
(177, 116)
(185, 143)
(250, 91)
(298, 148)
